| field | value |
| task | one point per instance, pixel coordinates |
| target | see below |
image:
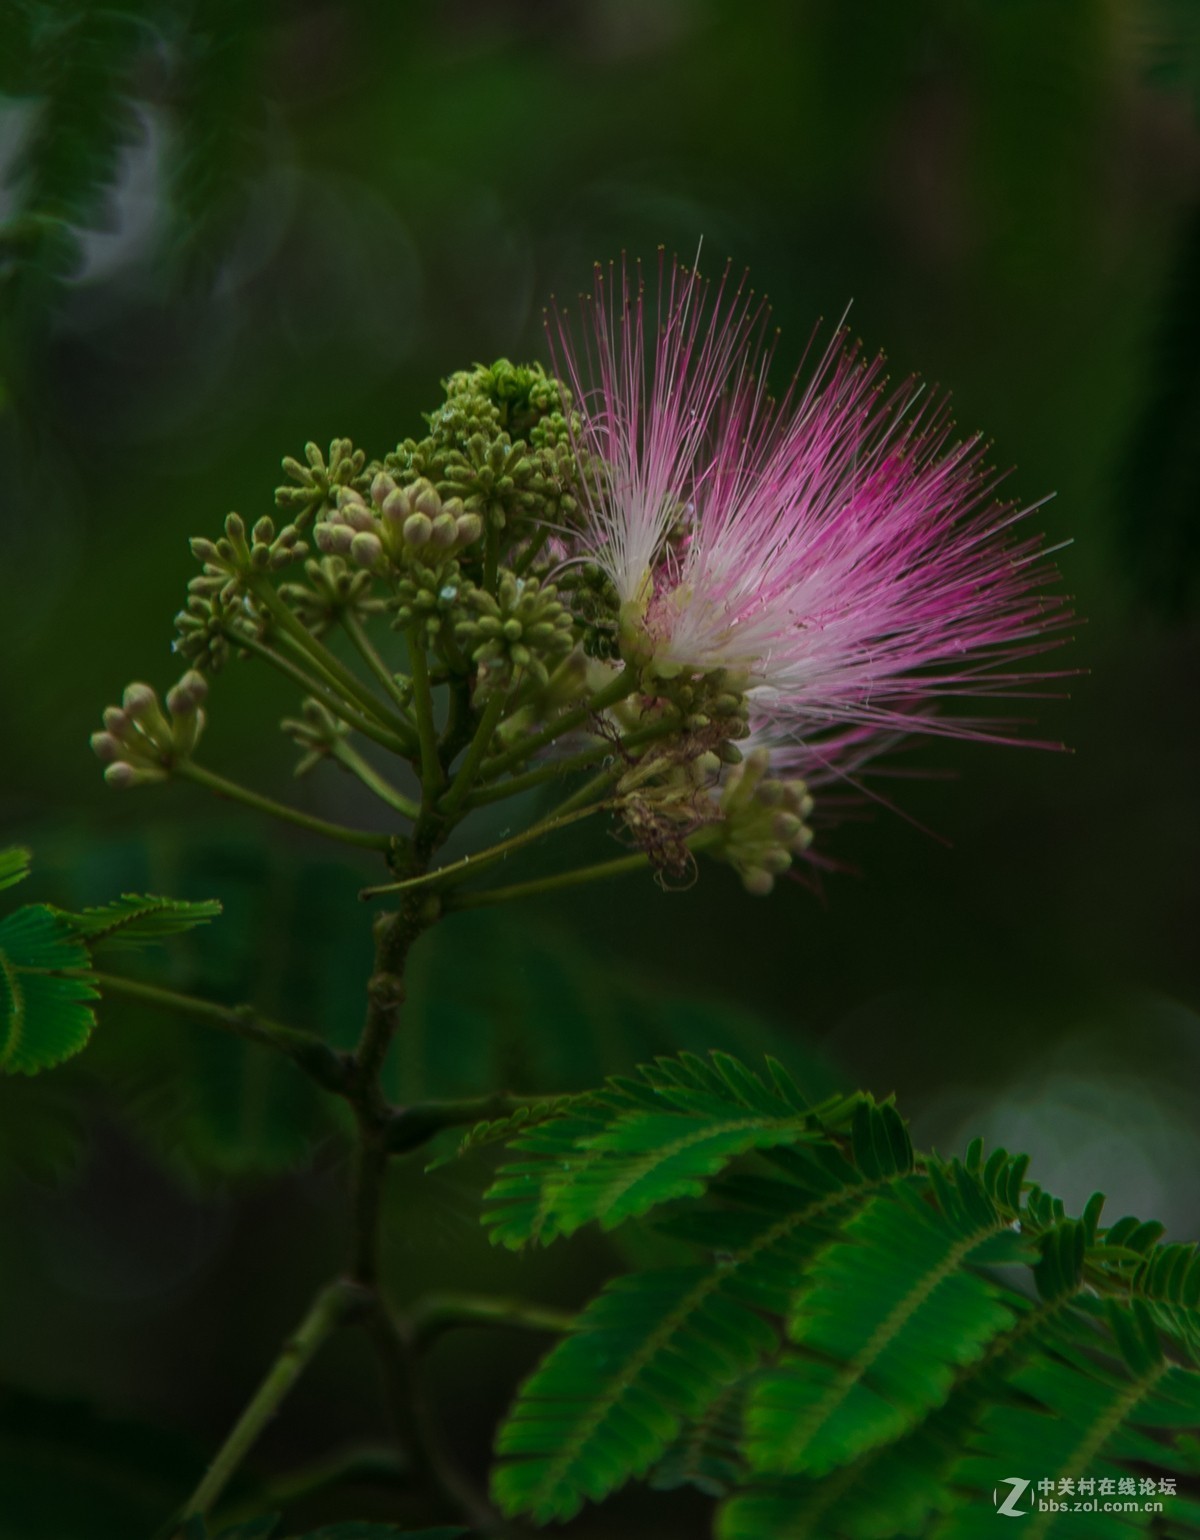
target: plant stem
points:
(306, 1049)
(439, 1313)
(378, 1466)
(498, 791)
(335, 703)
(373, 781)
(465, 778)
(221, 787)
(588, 791)
(331, 1305)
(431, 765)
(623, 685)
(356, 631)
(395, 934)
(415, 1422)
(329, 665)
(537, 885)
(532, 551)
(461, 870)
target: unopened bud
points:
(186, 696)
(348, 497)
(444, 531)
(785, 827)
(397, 506)
(417, 529)
(758, 881)
(382, 488)
(333, 539)
(203, 550)
(470, 527)
(105, 747)
(235, 527)
(425, 498)
(264, 531)
(139, 700)
(366, 549)
(358, 516)
(116, 721)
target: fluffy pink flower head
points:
(838, 550)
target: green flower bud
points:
(123, 774)
(382, 487)
(469, 527)
(397, 506)
(366, 549)
(358, 516)
(444, 531)
(425, 498)
(333, 539)
(418, 528)
(105, 747)
(140, 702)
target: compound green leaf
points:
(44, 1017)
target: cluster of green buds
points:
(333, 588)
(712, 704)
(502, 442)
(141, 742)
(220, 608)
(763, 822)
(237, 555)
(459, 541)
(522, 628)
(396, 527)
(314, 485)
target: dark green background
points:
(364, 198)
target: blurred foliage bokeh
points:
(228, 227)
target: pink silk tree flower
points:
(838, 551)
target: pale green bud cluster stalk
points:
(141, 743)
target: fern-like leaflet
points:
(865, 1336)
